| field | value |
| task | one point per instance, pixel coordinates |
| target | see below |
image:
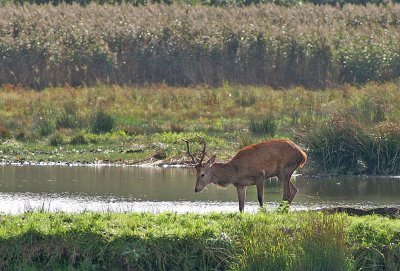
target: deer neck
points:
(223, 174)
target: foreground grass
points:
(126, 125)
(168, 241)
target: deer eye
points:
(202, 175)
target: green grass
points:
(264, 126)
(346, 145)
(61, 124)
(169, 241)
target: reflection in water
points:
(171, 189)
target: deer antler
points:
(188, 151)
(203, 151)
(196, 161)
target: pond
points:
(141, 189)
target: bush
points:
(102, 122)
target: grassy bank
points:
(167, 241)
(344, 130)
(181, 45)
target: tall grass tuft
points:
(79, 139)
(103, 122)
(45, 124)
(68, 118)
(316, 242)
(56, 140)
(264, 126)
(345, 146)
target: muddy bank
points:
(392, 212)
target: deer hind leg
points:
(286, 187)
(241, 190)
(292, 191)
(289, 190)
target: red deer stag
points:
(251, 166)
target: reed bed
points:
(181, 45)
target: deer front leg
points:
(241, 190)
(260, 192)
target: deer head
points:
(204, 173)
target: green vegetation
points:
(263, 126)
(304, 45)
(234, 58)
(168, 241)
(344, 130)
(345, 145)
(102, 122)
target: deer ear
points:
(211, 160)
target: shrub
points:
(102, 122)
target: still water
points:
(128, 189)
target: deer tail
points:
(304, 155)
